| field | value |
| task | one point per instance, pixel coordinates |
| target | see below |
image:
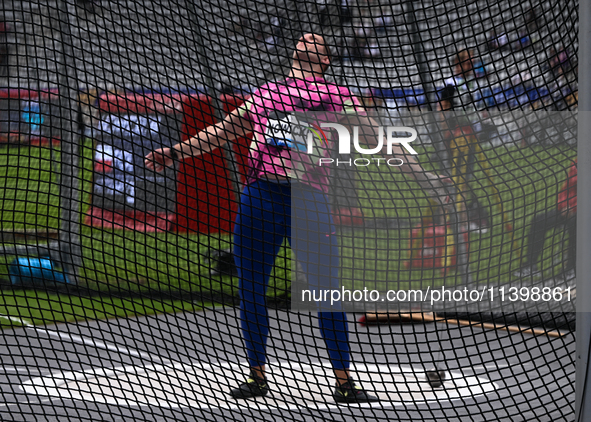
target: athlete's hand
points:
(158, 159)
(434, 184)
(446, 180)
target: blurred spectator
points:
(372, 51)
(241, 24)
(559, 62)
(465, 81)
(364, 8)
(271, 43)
(275, 23)
(446, 126)
(497, 41)
(521, 79)
(447, 98)
(523, 41)
(363, 27)
(522, 84)
(461, 93)
(479, 68)
(382, 22)
(358, 48)
(531, 21)
(4, 52)
(463, 65)
(339, 51)
(565, 214)
(323, 13)
(363, 31)
(265, 41)
(345, 48)
(345, 12)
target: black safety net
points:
(288, 210)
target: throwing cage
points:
(120, 292)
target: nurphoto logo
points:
(286, 130)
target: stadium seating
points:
(118, 47)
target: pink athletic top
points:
(270, 106)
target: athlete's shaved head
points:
(312, 51)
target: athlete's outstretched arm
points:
(232, 127)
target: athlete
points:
(264, 215)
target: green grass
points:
(40, 308)
(528, 180)
(28, 198)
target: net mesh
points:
(135, 294)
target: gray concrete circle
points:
(179, 385)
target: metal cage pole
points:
(463, 267)
(69, 251)
(214, 92)
(583, 271)
(420, 58)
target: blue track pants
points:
(263, 222)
